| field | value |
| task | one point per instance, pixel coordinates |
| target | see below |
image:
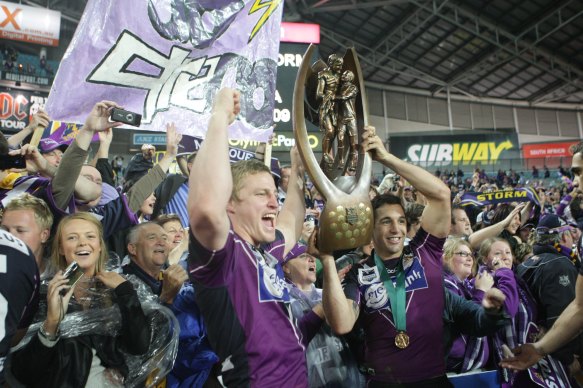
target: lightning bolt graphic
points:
(270, 5)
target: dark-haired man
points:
(398, 292)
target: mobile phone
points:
(12, 161)
(311, 218)
(73, 273)
(125, 116)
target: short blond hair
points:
(59, 260)
(42, 214)
(240, 170)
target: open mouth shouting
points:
(269, 220)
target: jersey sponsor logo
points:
(368, 275)
(376, 297)
(564, 280)
(374, 292)
(272, 285)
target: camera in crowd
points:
(126, 117)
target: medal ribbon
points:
(396, 292)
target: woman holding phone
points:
(88, 359)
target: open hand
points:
(98, 119)
(524, 356)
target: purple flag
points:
(166, 59)
(63, 133)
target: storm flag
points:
(166, 59)
(501, 196)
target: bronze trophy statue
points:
(332, 96)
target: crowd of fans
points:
(213, 277)
(16, 62)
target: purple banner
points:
(166, 59)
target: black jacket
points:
(165, 191)
(462, 316)
(68, 362)
(551, 279)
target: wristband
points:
(50, 337)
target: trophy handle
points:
(324, 186)
(346, 221)
(321, 182)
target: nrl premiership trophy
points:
(331, 95)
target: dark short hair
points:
(455, 207)
(575, 206)
(386, 199)
(413, 212)
(502, 211)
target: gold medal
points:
(402, 340)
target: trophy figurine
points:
(331, 95)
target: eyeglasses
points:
(464, 254)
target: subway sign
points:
(455, 150)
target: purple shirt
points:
(245, 302)
(467, 353)
(424, 357)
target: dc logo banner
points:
(271, 284)
(166, 59)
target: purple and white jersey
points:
(19, 290)
(521, 307)
(245, 303)
(424, 357)
(39, 187)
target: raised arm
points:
(73, 158)
(341, 312)
(291, 217)
(39, 119)
(210, 183)
(146, 185)
(476, 238)
(101, 159)
(436, 216)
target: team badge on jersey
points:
(271, 281)
(368, 275)
(374, 292)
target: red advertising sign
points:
(37, 25)
(300, 33)
(548, 150)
